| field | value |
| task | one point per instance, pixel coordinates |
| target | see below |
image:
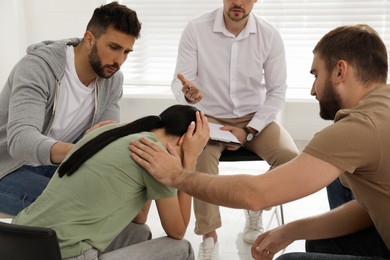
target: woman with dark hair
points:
(99, 196)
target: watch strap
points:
(247, 131)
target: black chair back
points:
(241, 154)
(18, 242)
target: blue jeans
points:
(365, 244)
(338, 194)
(22, 187)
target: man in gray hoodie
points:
(54, 95)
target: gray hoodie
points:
(28, 102)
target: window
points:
(300, 22)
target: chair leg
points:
(277, 215)
(281, 213)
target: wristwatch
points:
(249, 135)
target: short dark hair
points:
(120, 17)
(359, 45)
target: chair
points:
(28, 243)
(243, 154)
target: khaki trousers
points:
(274, 144)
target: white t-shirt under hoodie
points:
(75, 105)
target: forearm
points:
(268, 112)
(187, 63)
(346, 219)
(275, 78)
(189, 162)
(236, 191)
(185, 201)
(59, 151)
(288, 182)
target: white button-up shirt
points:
(236, 75)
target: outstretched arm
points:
(300, 177)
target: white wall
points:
(25, 22)
(302, 120)
(12, 20)
(57, 19)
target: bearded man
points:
(54, 95)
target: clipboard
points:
(222, 136)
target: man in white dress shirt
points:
(231, 65)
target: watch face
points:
(249, 135)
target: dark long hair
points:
(174, 120)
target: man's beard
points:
(234, 18)
(96, 64)
(330, 103)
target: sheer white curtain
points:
(300, 22)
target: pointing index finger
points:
(182, 79)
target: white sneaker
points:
(253, 225)
(208, 250)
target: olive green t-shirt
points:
(359, 143)
(91, 207)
